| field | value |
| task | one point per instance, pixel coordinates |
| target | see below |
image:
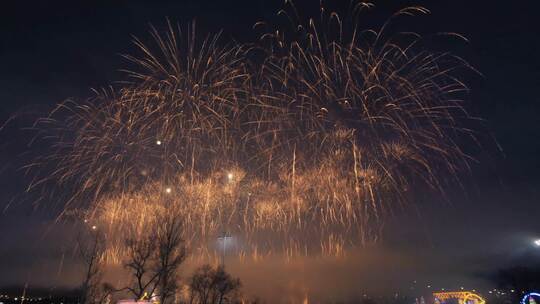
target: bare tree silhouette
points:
(213, 286)
(154, 259)
(91, 246)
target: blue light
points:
(523, 301)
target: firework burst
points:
(307, 150)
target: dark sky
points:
(53, 50)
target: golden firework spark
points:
(307, 150)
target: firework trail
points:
(304, 151)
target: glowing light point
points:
(158, 142)
(168, 190)
(230, 176)
(94, 227)
(537, 242)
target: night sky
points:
(53, 50)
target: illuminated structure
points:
(145, 299)
(528, 298)
(463, 297)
